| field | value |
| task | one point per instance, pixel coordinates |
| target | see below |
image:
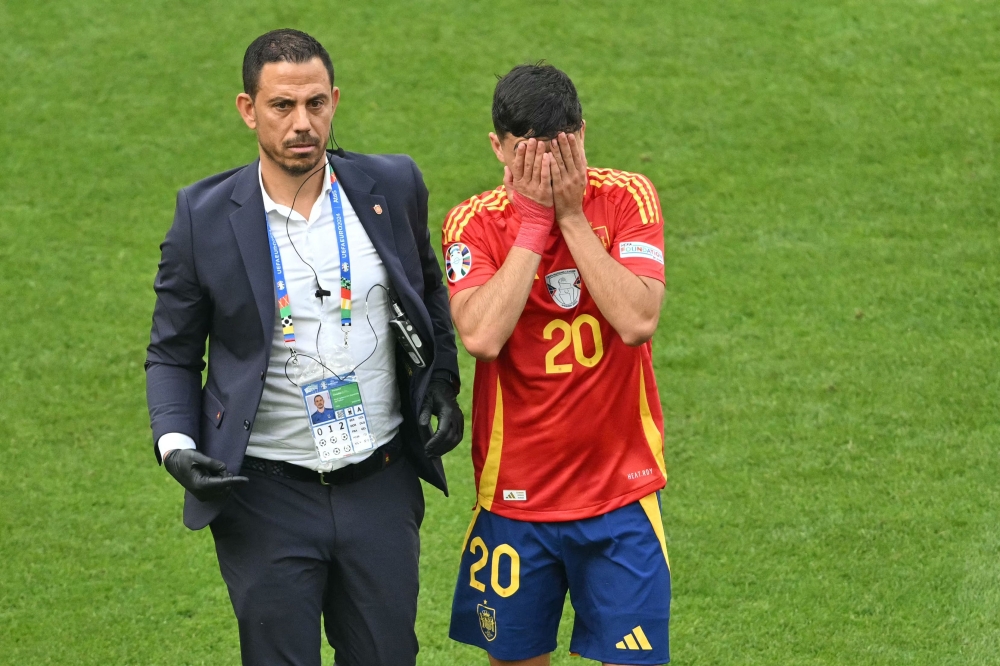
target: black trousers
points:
(293, 551)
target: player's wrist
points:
(532, 240)
(572, 220)
(536, 223)
(530, 209)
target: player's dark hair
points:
(536, 100)
(285, 45)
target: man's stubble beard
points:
(292, 167)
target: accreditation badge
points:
(337, 417)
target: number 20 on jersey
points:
(572, 336)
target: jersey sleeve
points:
(468, 260)
(638, 239)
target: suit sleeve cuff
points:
(173, 440)
(447, 376)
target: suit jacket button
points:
(246, 425)
(262, 374)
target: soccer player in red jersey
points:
(557, 279)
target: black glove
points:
(206, 478)
(440, 401)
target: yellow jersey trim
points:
(651, 506)
(460, 216)
(636, 184)
(653, 436)
(491, 468)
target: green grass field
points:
(827, 357)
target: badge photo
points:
(564, 287)
(458, 261)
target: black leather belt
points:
(382, 457)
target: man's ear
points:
(335, 99)
(497, 147)
(244, 104)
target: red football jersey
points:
(566, 422)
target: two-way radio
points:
(406, 335)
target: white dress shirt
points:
(281, 430)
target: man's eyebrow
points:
(278, 99)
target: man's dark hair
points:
(281, 45)
(536, 100)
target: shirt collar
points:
(271, 206)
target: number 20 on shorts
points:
(572, 335)
(477, 545)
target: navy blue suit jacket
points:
(215, 283)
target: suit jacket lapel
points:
(358, 186)
(250, 228)
(378, 225)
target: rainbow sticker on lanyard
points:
(281, 287)
(287, 327)
(337, 208)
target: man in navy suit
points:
(295, 269)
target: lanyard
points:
(281, 285)
(345, 255)
(284, 303)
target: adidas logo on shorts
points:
(634, 640)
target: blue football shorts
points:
(515, 574)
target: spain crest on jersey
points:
(564, 287)
(458, 261)
(487, 621)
